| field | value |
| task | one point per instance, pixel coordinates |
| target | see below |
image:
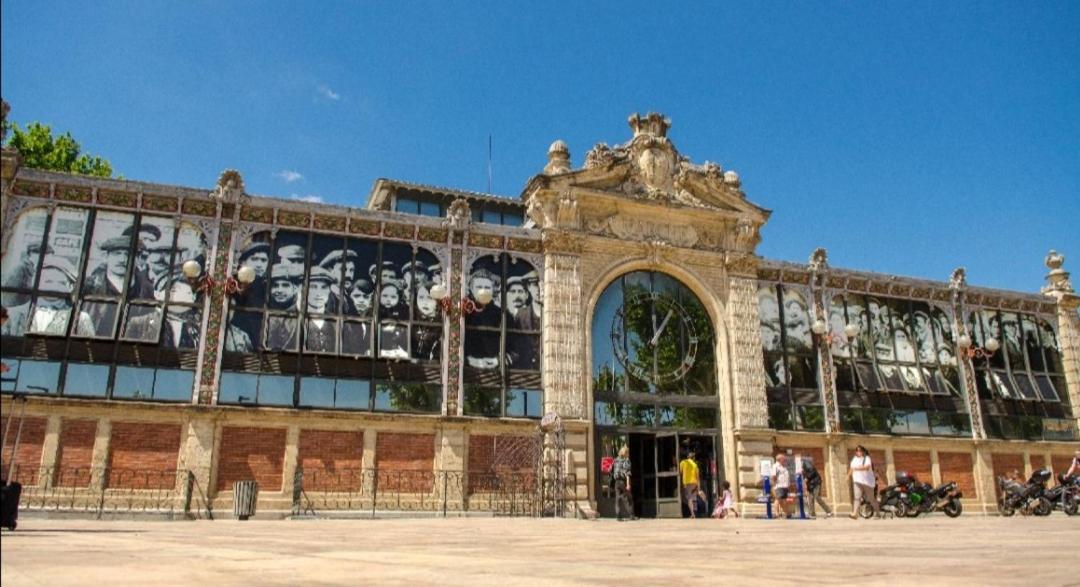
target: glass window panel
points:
(102, 319)
(1032, 347)
(912, 378)
(1046, 388)
(394, 341)
(477, 214)
(796, 314)
(191, 245)
(8, 379)
(837, 322)
(491, 216)
(174, 385)
(238, 388)
(1011, 343)
(483, 401)
(890, 375)
(1025, 385)
(327, 268)
(1054, 429)
(182, 328)
(881, 331)
(780, 417)
(317, 392)
(1050, 347)
(321, 335)
(877, 421)
(353, 394)
(430, 209)
(944, 424)
(1001, 383)
(426, 342)
(281, 334)
(811, 418)
(257, 254)
(482, 349)
(276, 390)
(943, 338)
(513, 219)
(868, 378)
(244, 328)
(845, 378)
(150, 277)
(405, 205)
(19, 266)
(952, 379)
(18, 313)
(524, 403)
(606, 413)
(897, 421)
(803, 371)
(356, 338)
(143, 323)
(64, 250)
(776, 371)
(924, 334)
(407, 397)
(856, 313)
(86, 380)
(110, 254)
(51, 317)
(769, 318)
(38, 376)
(523, 351)
(134, 382)
(918, 423)
(991, 323)
(851, 420)
(903, 330)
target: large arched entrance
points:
(655, 391)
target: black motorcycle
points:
(1066, 495)
(1028, 499)
(925, 498)
(893, 498)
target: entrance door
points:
(704, 448)
(668, 502)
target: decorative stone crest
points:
(656, 251)
(635, 229)
(558, 158)
(1058, 277)
(958, 279)
(746, 235)
(230, 187)
(819, 260)
(458, 215)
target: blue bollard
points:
(799, 489)
(768, 498)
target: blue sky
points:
(905, 137)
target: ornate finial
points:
(819, 259)
(958, 279)
(732, 178)
(230, 186)
(558, 158)
(653, 123)
(1058, 277)
(458, 215)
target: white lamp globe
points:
(483, 295)
(992, 344)
(245, 275)
(819, 326)
(964, 341)
(438, 291)
(851, 330)
(191, 269)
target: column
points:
(290, 461)
(985, 484)
(935, 467)
(1060, 290)
(197, 457)
(564, 330)
(836, 465)
(50, 451)
(99, 461)
(958, 283)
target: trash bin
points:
(245, 494)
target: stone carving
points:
(230, 187)
(819, 260)
(600, 156)
(563, 242)
(1058, 277)
(741, 263)
(657, 251)
(564, 337)
(746, 235)
(958, 279)
(748, 372)
(635, 229)
(567, 215)
(458, 215)
(558, 158)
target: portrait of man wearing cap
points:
(290, 255)
(284, 287)
(51, 313)
(181, 325)
(320, 334)
(342, 265)
(257, 257)
(107, 279)
(22, 274)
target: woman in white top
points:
(861, 472)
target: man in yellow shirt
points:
(688, 470)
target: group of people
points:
(522, 312)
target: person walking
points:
(861, 473)
(688, 470)
(620, 474)
(781, 480)
(812, 483)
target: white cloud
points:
(288, 176)
(312, 198)
(327, 93)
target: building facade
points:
(458, 351)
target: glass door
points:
(668, 499)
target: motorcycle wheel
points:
(865, 511)
(1043, 507)
(954, 508)
(903, 510)
(913, 511)
(1005, 509)
(1072, 506)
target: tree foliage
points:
(40, 149)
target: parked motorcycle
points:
(1028, 499)
(894, 499)
(1066, 495)
(925, 498)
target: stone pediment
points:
(644, 187)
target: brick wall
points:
(1061, 464)
(405, 461)
(331, 459)
(28, 457)
(251, 454)
(914, 463)
(504, 458)
(958, 467)
(76, 453)
(143, 455)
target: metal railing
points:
(445, 492)
(106, 491)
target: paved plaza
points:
(489, 551)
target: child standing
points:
(725, 506)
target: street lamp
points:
(466, 304)
(203, 282)
(992, 346)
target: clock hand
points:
(660, 331)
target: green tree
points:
(39, 149)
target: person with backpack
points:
(812, 481)
(620, 477)
(861, 473)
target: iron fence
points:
(102, 491)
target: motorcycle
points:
(1028, 499)
(926, 498)
(894, 499)
(1066, 495)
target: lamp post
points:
(964, 342)
(203, 282)
(820, 329)
(466, 305)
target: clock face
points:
(654, 338)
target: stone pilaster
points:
(50, 450)
(748, 371)
(985, 484)
(99, 460)
(564, 332)
(1060, 289)
(197, 453)
(826, 381)
(291, 460)
(836, 468)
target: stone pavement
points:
(971, 550)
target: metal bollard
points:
(245, 495)
(768, 498)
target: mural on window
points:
(790, 358)
(1021, 385)
(326, 316)
(89, 280)
(652, 347)
(502, 338)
